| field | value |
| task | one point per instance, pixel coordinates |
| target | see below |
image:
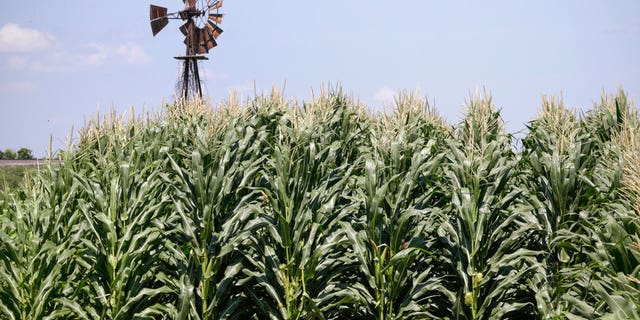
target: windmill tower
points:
(201, 19)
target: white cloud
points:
(18, 62)
(132, 53)
(211, 75)
(21, 86)
(17, 39)
(99, 53)
(247, 87)
(91, 55)
(243, 90)
(59, 57)
(625, 31)
(14, 38)
(384, 95)
(50, 62)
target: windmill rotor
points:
(201, 30)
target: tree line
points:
(21, 154)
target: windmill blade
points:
(215, 30)
(216, 17)
(157, 12)
(159, 24)
(192, 37)
(207, 41)
(190, 4)
(187, 27)
(159, 18)
(202, 42)
(215, 4)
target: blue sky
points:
(63, 61)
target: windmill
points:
(201, 19)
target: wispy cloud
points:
(211, 75)
(243, 90)
(384, 95)
(51, 62)
(97, 53)
(14, 38)
(132, 53)
(60, 57)
(18, 62)
(627, 30)
(21, 87)
(91, 55)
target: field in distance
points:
(23, 163)
(12, 172)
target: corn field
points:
(277, 209)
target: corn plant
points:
(397, 195)
(37, 238)
(613, 124)
(298, 256)
(576, 175)
(123, 201)
(210, 179)
(275, 209)
(484, 234)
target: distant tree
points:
(1, 154)
(25, 154)
(9, 154)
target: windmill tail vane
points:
(200, 29)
